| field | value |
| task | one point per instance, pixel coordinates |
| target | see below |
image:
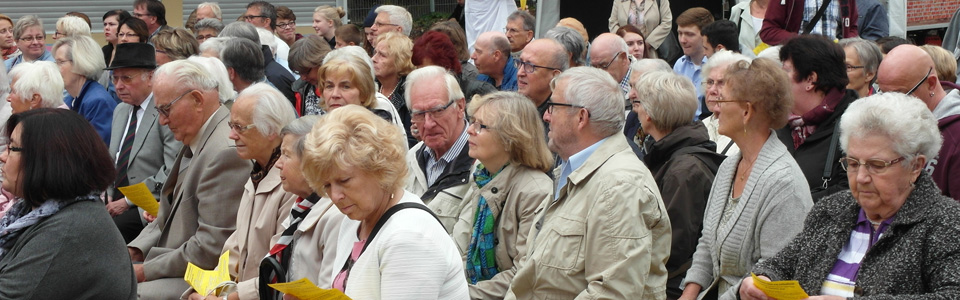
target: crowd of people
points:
(476, 161)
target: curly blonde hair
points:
(399, 49)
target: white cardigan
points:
(412, 257)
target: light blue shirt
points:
(685, 67)
(573, 163)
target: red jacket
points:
(783, 18)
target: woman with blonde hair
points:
(8, 45)
(391, 64)
(69, 26)
(174, 44)
(391, 246)
(346, 79)
(506, 137)
(326, 20)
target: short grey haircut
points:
(529, 21)
(72, 26)
(868, 52)
(186, 74)
(571, 40)
(598, 93)
(86, 55)
(431, 73)
(500, 43)
(215, 45)
(245, 57)
(356, 51)
(298, 129)
(266, 39)
(272, 110)
(214, 24)
(905, 120)
(399, 16)
(38, 77)
(25, 22)
(219, 72)
(647, 65)
(722, 58)
(668, 98)
(213, 6)
(241, 30)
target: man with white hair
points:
(606, 232)
(440, 166)
(199, 200)
(209, 10)
(391, 18)
(492, 57)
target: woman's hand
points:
(690, 292)
(749, 291)
(150, 218)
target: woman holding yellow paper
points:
(892, 235)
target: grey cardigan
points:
(771, 210)
(77, 253)
(918, 257)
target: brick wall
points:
(922, 12)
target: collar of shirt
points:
(454, 151)
(574, 162)
(625, 83)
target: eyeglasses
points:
(874, 166)
(419, 116)
(201, 37)
(32, 38)
(710, 83)
(250, 18)
(921, 81)
(160, 51)
(529, 67)
(122, 35)
(477, 126)
(126, 79)
(239, 129)
(287, 25)
(551, 105)
(164, 110)
(61, 62)
(379, 24)
(57, 34)
(141, 15)
(852, 67)
(607, 65)
(718, 101)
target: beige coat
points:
(258, 227)
(315, 244)
(607, 236)
(513, 197)
(658, 22)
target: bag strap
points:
(831, 155)
(727, 148)
(817, 17)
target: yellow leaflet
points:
(781, 290)
(204, 281)
(141, 196)
(306, 290)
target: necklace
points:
(383, 88)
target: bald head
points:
(495, 40)
(609, 52)
(906, 68)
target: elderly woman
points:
(682, 159)
(435, 48)
(58, 235)
(892, 235)
(306, 57)
(81, 65)
(862, 60)
(255, 122)
(506, 137)
(637, 42)
(8, 45)
(111, 26)
(35, 85)
(652, 17)
(31, 40)
(132, 30)
(207, 28)
(326, 20)
(715, 68)
(69, 26)
(819, 81)
(174, 44)
(346, 78)
(392, 246)
(759, 197)
(391, 64)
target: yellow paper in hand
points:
(204, 281)
(304, 289)
(781, 290)
(141, 196)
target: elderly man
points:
(153, 13)
(391, 17)
(606, 232)
(209, 10)
(492, 57)
(540, 62)
(440, 167)
(144, 151)
(520, 26)
(609, 52)
(264, 15)
(908, 69)
(199, 200)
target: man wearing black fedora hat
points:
(143, 149)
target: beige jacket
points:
(315, 244)
(513, 197)
(258, 227)
(656, 21)
(607, 236)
